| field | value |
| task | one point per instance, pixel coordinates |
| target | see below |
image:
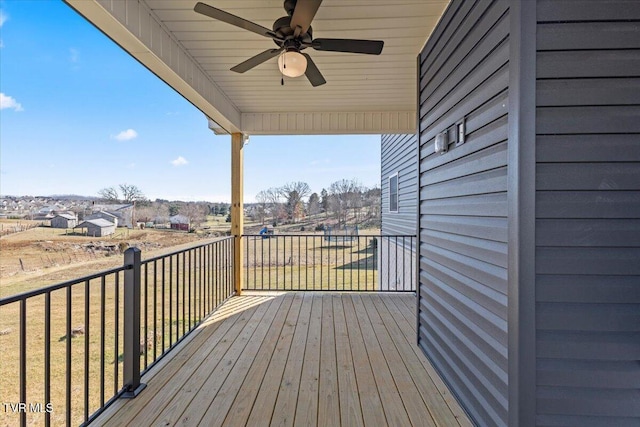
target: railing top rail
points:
(190, 248)
(51, 288)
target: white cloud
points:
(3, 19)
(180, 161)
(126, 135)
(74, 55)
(9, 102)
(131, 166)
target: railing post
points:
(131, 362)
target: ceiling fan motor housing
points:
(290, 6)
(282, 28)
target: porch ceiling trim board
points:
(365, 94)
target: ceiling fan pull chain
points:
(284, 66)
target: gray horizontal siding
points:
(588, 213)
(464, 73)
(399, 155)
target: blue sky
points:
(79, 114)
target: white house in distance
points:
(103, 215)
(64, 221)
(124, 212)
(97, 227)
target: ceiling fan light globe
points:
(292, 64)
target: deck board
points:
(297, 359)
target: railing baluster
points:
(184, 301)
(189, 297)
(86, 350)
(23, 359)
(218, 282)
(117, 333)
(366, 249)
(336, 265)
(351, 261)
(291, 255)
(68, 358)
(170, 301)
(343, 269)
(155, 309)
(321, 264)
(200, 284)
(306, 262)
(103, 309)
(145, 338)
(269, 263)
(404, 267)
(47, 356)
(359, 261)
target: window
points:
(393, 193)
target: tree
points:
(293, 193)
(355, 199)
(275, 205)
(196, 213)
(324, 202)
(344, 195)
(174, 209)
(131, 193)
(261, 209)
(372, 198)
(145, 214)
(313, 206)
(109, 194)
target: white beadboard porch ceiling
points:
(193, 54)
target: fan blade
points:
(369, 47)
(256, 60)
(303, 14)
(313, 74)
(223, 16)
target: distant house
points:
(97, 227)
(49, 209)
(103, 215)
(124, 212)
(64, 221)
(179, 222)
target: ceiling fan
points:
(292, 34)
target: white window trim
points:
(395, 175)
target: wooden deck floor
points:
(307, 359)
